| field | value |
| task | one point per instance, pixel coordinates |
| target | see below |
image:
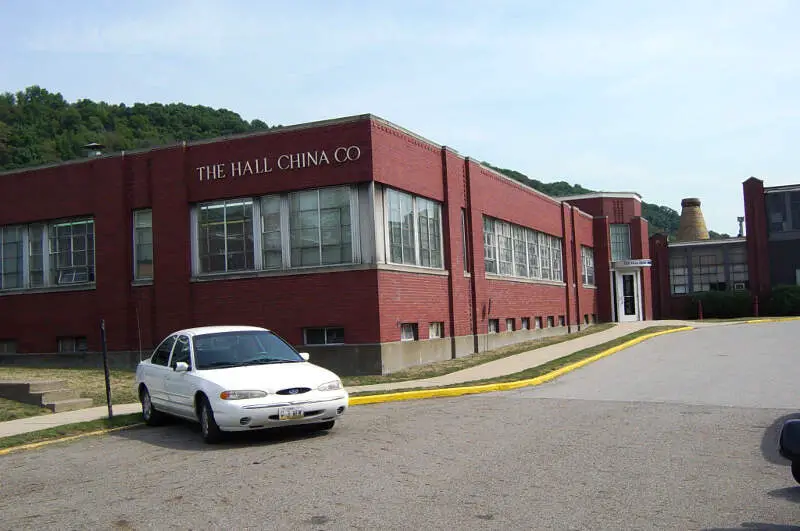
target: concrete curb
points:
(771, 320)
(31, 446)
(506, 386)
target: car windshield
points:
(239, 349)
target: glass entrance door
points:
(628, 295)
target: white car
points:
(237, 378)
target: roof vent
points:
(692, 226)
(94, 149)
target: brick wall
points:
(755, 216)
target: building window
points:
(525, 323)
(436, 330)
(537, 323)
(72, 344)
(708, 273)
(561, 321)
(739, 277)
(464, 241)
(409, 332)
(586, 318)
(509, 324)
(47, 254)
(8, 346)
(414, 229)
(489, 246)
(620, 242)
(12, 250)
(72, 252)
(226, 236)
(551, 321)
(324, 336)
(515, 251)
(494, 326)
(678, 275)
(143, 244)
(587, 257)
(320, 226)
(310, 228)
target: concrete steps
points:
(51, 394)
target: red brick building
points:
(767, 254)
(356, 240)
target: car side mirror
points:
(181, 366)
(305, 356)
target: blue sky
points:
(671, 99)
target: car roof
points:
(203, 330)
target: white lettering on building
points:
(283, 162)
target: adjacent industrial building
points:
(355, 239)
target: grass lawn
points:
(70, 430)
(446, 367)
(553, 365)
(11, 410)
(89, 383)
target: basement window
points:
(409, 332)
(510, 324)
(324, 336)
(525, 323)
(436, 330)
(551, 322)
(8, 346)
(72, 344)
(494, 325)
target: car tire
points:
(208, 426)
(151, 416)
(796, 470)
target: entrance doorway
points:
(627, 295)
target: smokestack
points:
(692, 226)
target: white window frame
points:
(493, 326)
(525, 323)
(136, 214)
(409, 332)
(387, 191)
(510, 324)
(622, 238)
(436, 330)
(587, 257)
(36, 241)
(543, 253)
(258, 256)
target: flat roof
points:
(699, 243)
(602, 195)
(783, 188)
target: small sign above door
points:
(639, 262)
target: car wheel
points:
(152, 417)
(208, 426)
(796, 470)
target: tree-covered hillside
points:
(661, 219)
(40, 127)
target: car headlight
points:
(335, 385)
(241, 395)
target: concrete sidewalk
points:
(493, 369)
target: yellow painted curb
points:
(771, 320)
(506, 386)
(31, 446)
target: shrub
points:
(782, 301)
(722, 304)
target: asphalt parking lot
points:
(675, 433)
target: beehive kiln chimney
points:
(692, 226)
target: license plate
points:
(290, 413)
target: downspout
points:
(448, 244)
(564, 264)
